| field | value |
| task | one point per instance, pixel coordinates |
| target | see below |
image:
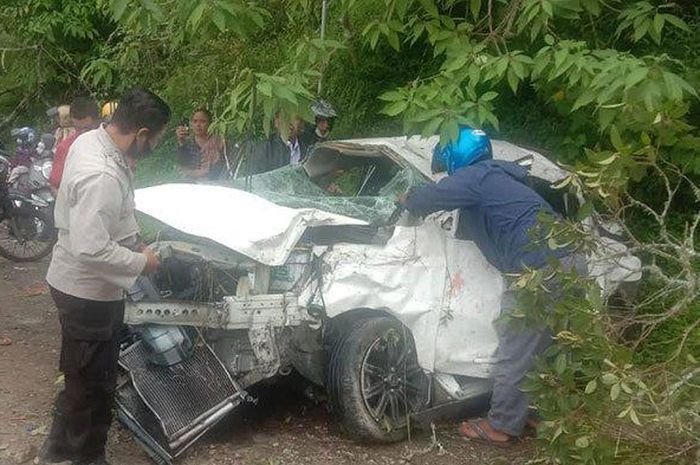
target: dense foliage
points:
(608, 87)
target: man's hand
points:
(152, 262)
(181, 132)
(403, 198)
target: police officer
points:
(97, 257)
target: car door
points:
(465, 338)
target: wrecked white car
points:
(293, 271)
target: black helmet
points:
(323, 109)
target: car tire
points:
(374, 382)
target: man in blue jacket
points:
(500, 213)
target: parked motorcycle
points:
(26, 145)
(26, 230)
(31, 176)
(31, 170)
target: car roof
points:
(418, 151)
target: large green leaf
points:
(430, 7)
(154, 8)
(475, 8)
(219, 20)
(395, 108)
(119, 7)
(196, 15)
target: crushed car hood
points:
(239, 220)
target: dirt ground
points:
(283, 429)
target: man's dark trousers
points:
(89, 354)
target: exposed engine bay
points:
(191, 273)
(227, 323)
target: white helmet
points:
(323, 109)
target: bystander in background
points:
(200, 155)
(85, 116)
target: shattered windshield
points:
(365, 192)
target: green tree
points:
(44, 46)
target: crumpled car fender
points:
(440, 288)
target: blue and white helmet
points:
(472, 145)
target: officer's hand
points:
(152, 262)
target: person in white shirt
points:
(97, 257)
(282, 148)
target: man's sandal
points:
(483, 436)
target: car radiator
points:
(169, 408)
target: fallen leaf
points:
(41, 430)
(35, 290)
(5, 341)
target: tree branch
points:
(20, 107)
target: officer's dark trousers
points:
(89, 353)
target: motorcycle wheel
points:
(25, 235)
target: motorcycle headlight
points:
(46, 168)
